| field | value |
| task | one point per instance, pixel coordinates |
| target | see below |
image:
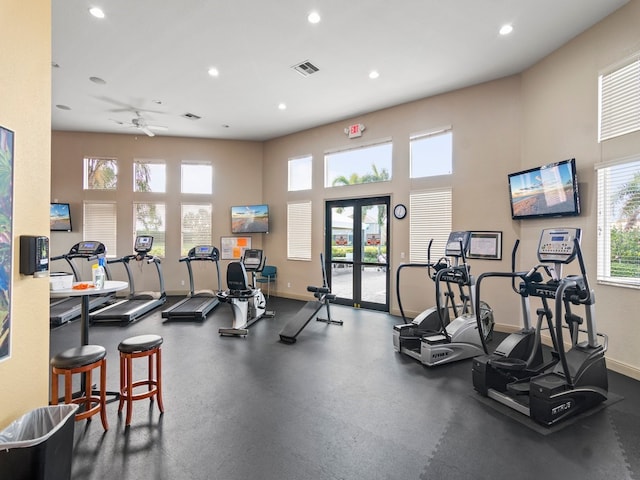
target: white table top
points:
(109, 286)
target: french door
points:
(357, 249)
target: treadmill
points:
(198, 304)
(137, 304)
(66, 309)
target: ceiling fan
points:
(140, 123)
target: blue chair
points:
(268, 274)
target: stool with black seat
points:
(82, 360)
(138, 347)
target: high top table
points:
(110, 286)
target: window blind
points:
(100, 224)
(429, 218)
(299, 230)
(619, 100)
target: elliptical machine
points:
(574, 380)
(452, 340)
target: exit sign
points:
(355, 130)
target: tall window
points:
(619, 222)
(197, 178)
(300, 173)
(149, 176)
(100, 173)
(99, 220)
(429, 218)
(431, 154)
(358, 165)
(196, 226)
(150, 219)
(299, 230)
(619, 99)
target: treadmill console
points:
(252, 259)
(143, 244)
(452, 248)
(557, 245)
(208, 252)
(88, 249)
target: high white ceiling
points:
(154, 56)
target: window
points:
(197, 178)
(619, 100)
(196, 226)
(358, 165)
(431, 154)
(299, 230)
(150, 219)
(100, 173)
(149, 176)
(619, 222)
(300, 173)
(99, 220)
(429, 218)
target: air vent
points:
(305, 68)
(191, 116)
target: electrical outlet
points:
(182, 282)
(402, 255)
(288, 284)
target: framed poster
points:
(6, 235)
(232, 248)
(485, 245)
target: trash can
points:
(39, 445)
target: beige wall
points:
(486, 132)
(25, 99)
(237, 180)
(560, 112)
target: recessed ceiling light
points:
(282, 106)
(96, 12)
(213, 71)
(97, 80)
(63, 107)
(506, 29)
(374, 74)
(314, 17)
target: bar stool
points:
(82, 360)
(136, 347)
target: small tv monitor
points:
(547, 191)
(250, 219)
(60, 217)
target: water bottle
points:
(98, 274)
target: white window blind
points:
(196, 226)
(299, 230)
(619, 100)
(99, 224)
(619, 222)
(429, 218)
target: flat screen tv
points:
(60, 217)
(546, 191)
(250, 219)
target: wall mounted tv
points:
(250, 219)
(546, 191)
(60, 217)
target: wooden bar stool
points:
(82, 360)
(136, 347)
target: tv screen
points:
(60, 217)
(546, 191)
(250, 219)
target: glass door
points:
(357, 250)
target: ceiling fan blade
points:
(157, 127)
(147, 131)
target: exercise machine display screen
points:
(558, 244)
(143, 244)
